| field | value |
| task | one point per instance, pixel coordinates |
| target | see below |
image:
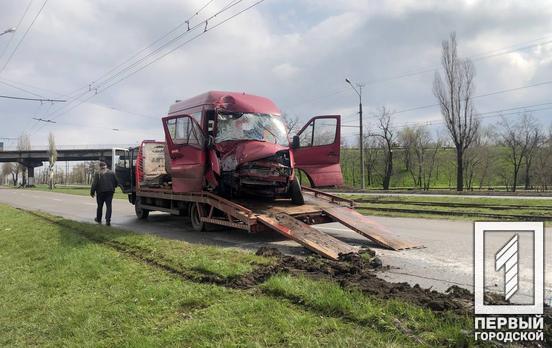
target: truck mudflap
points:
(311, 238)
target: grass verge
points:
(76, 190)
(456, 208)
(63, 283)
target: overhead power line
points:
(484, 115)
(173, 40)
(428, 106)
(73, 98)
(30, 88)
(480, 96)
(43, 120)
(479, 57)
(33, 99)
(94, 90)
(491, 54)
(23, 37)
(144, 49)
(495, 114)
(20, 89)
(205, 30)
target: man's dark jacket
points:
(104, 181)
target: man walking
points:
(103, 187)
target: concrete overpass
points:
(34, 158)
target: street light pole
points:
(10, 30)
(361, 141)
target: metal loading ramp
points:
(311, 238)
(370, 229)
(296, 223)
(341, 210)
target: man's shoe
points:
(108, 223)
(98, 221)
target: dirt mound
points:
(269, 252)
(358, 271)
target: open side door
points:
(185, 143)
(316, 150)
(122, 165)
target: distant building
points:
(1, 146)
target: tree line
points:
(509, 154)
(512, 153)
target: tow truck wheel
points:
(141, 213)
(295, 193)
(197, 224)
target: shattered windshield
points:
(251, 126)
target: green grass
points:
(76, 190)
(390, 316)
(468, 208)
(63, 284)
(194, 260)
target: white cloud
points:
(294, 52)
(285, 71)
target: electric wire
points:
(206, 29)
(75, 99)
(23, 37)
(159, 39)
(491, 54)
(70, 105)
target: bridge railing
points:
(75, 147)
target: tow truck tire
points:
(197, 224)
(141, 213)
(295, 193)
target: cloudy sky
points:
(296, 52)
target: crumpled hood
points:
(234, 153)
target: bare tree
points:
(11, 169)
(420, 154)
(455, 96)
(543, 163)
(387, 139)
(520, 139)
(52, 158)
(292, 123)
(473, 161)
(483, 148)
(535, 138)
(23, 144)
(371, 152)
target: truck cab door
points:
(121, 160)
(316, 150)
(185, 143)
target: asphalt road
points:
(445, 260)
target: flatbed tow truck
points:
(155, 180)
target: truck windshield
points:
(251, 126)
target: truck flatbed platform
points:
(292, 221)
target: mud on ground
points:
(358, 271)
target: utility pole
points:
(361, 140)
